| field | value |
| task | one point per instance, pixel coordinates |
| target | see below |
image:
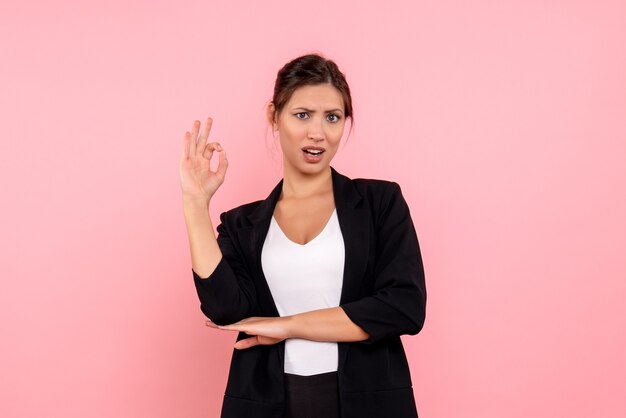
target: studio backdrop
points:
(502, 121)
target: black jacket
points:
(383, 292)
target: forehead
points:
(323, 96)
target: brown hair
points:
(310, 69)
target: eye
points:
(300, 113)
(332, 115)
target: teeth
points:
(313, 152)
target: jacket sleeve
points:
(398, 303)
(228, 294)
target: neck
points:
(297, 184)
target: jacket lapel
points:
(253, 237)
(354, 223)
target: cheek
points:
(335, 137)
(291, 133)
(289, 140)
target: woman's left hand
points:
(265, 330)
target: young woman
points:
(320, 279)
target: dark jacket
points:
(383, 292)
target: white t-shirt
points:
(303, 278)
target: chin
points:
(314, 169)
(311, 169)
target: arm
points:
(227, 295)
(330, 324)
(198, 184)
(205, 252)
(226, 292)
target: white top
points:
(303, 278)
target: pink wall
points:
(504, 122)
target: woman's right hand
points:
(197, 181)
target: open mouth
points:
(313, 151)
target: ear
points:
(271, 110)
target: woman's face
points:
(310, 126)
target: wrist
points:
(196, 212)
(196, 202)
(292, 322)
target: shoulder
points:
(372, 192)
(377, 191)
(238, 215)
(375, 186)
(245, 208)
(384, 198)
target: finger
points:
(246, 343)
(230, 327)
(186, 144)
(211, 324)
(204, 135)
(210, 147)
(239, 325)
(194, 137)
(222, 166)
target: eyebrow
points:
(313, 111)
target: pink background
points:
(503, 121)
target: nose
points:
(316, 131)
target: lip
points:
(310, 158)
(310, 147)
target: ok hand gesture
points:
(197, 181)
